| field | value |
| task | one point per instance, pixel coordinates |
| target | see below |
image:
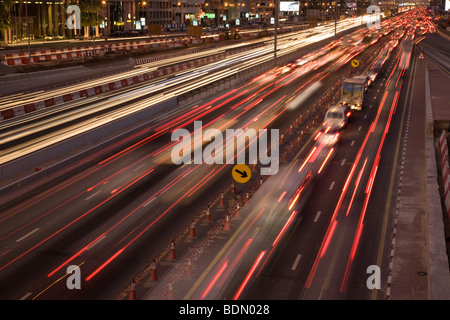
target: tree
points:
(89, 14)
(6, 19)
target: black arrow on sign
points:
(243, 174)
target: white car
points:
(328, 139)
(336, 118)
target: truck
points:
(354, 90)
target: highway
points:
(118, 210)
(316, 259)
(331, 244)
(48, 127)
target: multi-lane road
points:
(116, 211)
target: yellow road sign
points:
(241, 173)
(355, 63)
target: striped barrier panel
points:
(14, 59)
(22, 110)
(445, 169)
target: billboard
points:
(289, 6)
(350, 5)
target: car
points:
(336, 118)
(132, 33)
(328, 137)
(117, 34)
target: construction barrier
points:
(104, 88)
(445, 169)
(23, 58)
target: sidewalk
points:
(420, 267)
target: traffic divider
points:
(23, 58)
(445, 169)
(62, 100)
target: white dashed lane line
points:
(297, 260)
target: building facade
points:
(47, 18)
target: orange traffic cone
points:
(238, 211)
(172, 251)
(222, 200)
(291, 130)
(153, 276)
(132, 291)
(208, 215)
(192, 231)
(226, 226)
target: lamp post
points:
(92, 25)
(28, 32)
(277, 6)
(335, 17)
(107, 17)
(143, 4)
(180, 11)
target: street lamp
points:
(335, 18)
(143, 4)
(277, 6)
(28, 32)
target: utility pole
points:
(335, 18)
(92, 27)
(277, 4)
(28, 33)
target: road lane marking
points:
(96, 242)
(297, 259)
(317, 216)
(391, 186)
(139, 167)
(343, 161)
(331, 186)
(92, 195)
(26, 296)
(148, 202)
(353, 142)
(27, 235)
(359, 129)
